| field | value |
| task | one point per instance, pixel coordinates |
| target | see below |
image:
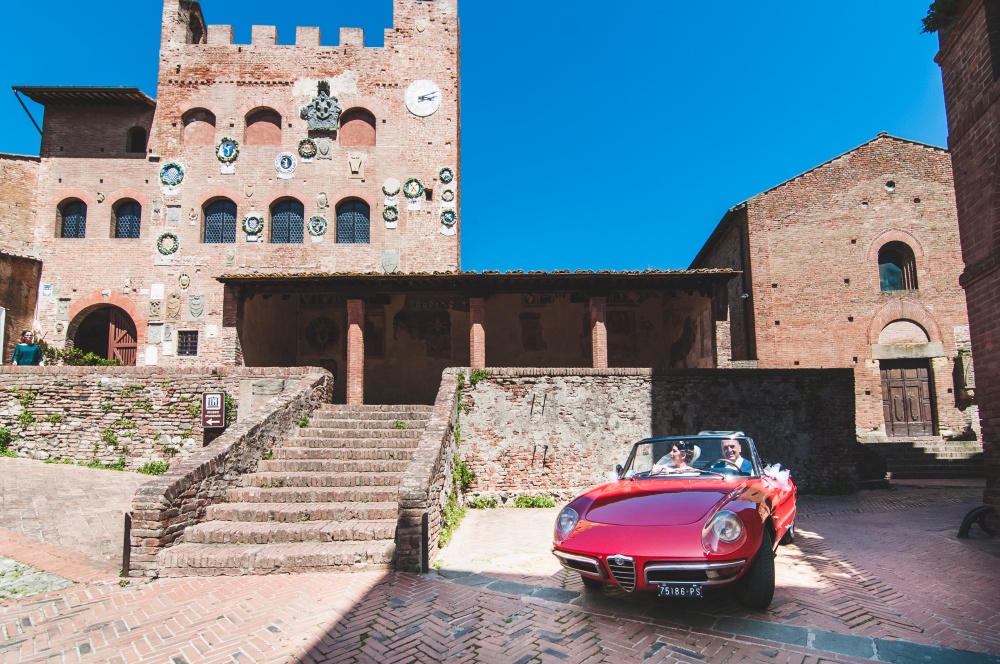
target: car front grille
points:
(623, 570)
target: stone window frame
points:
(252, 116)
(131, 138)
(907, 265)
(186, 334)
(189, 117)
(61, 221)
(115, 207)
(271, 224)
(204, 218)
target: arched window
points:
(72, 219)
(199, 127)
(897, 268)
(353, 225)
(127, 216)
(357, 128)
(220, 222)
(263, 127)
(136, 141)
(287, 222)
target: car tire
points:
(591, 584)
(789, 536)
(756, 588)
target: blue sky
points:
(595, 135)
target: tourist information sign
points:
(213, 410)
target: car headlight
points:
(723, 533)
(566, 522)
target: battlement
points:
(184, 25)
(267, 35)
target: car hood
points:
(638, 505)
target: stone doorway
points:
(108, 332)
(907, 398)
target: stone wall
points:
(165, 506)
(560, 431)
(108, 413)
(428, 483)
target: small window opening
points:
(897, 268)
(187, 343)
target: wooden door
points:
(122, 338)
(907, 397)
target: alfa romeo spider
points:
(684, 515)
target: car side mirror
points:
(618, 470)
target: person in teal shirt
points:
(28, 353)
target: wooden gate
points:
(122, 338)
(907, 398)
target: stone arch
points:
(903, 309)
(262, 126)
(198, 125)
(358, 128)
(134, 194)
(285, 192)
(894, 235)
(73, 193)
(355, 192)
(83, 307)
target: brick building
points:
(855, 264)
(300, 205)
(970, 66)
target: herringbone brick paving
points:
(890, 554)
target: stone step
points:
(390, 416)
(343, 453)
(246, 559)
(312, 432)
(313, 479)
(362, 425)
(312, 495)
(232, 532)
(369, 409)
(354, 443)
(298, 512)
(334, 466)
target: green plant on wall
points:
(25, 419)
(154, 468)
(6, 438)
(25, 398)
(55, 418)
(106, 406)
(194, 410)
(109, 438)
(463, 475)
(534, 501)
(231, 409)
(477, 376)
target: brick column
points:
(355, 352)
(477, 333)
(599, 331)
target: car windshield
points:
(652, 458)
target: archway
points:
(108, 332)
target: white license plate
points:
(681, 590)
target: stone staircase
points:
(328, 501)
(932, 458)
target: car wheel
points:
(591, 584)
(756, 588)
(789, 536)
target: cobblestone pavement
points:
(877, 576)
(76, 508)
(19, 580)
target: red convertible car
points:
(686, 514)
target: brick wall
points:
(151, 414)
(971, 90)
(810, 248)
(19, 176)
(165, 506)
(18, 294)
(230, 81)
(428, 483)
(560, 431)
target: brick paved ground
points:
(841, 598)
(76, 508)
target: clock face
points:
(423, 98)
